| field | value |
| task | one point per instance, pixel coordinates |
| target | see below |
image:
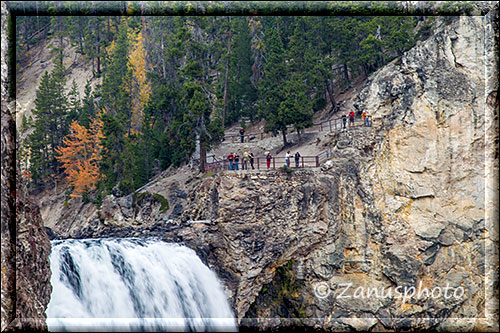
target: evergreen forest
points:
(170, 83)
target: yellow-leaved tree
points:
(80, 156)
(141, 88)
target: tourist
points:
(230, 158)
(364, 116)
(244, 160)
(251, 157)
(351, 118)
(287, 159)
(297, 159)
(236, 161)
(242, 134)
(268, 159)
(344, 120)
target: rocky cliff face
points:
(394, 232)
(434, 168)
(7, 190)
(25, 246)
(33, 273)
(26, 271)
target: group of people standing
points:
(234, 161)
(352, 115)
(296, 157)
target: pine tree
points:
(242, 93)
(271, 92)
(88, 108)
(116, 102)
(74, 103)
(39, 140)
(50, 125)
(116, 70)
(111, 165)
(58, 24)
(371, 56)
(296, 108)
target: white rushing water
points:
(133, 285)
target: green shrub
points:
(164, 202)
(138, 197)
(98, 199)
(286, 169)
(208, 174)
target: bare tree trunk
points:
(98, 51)
(142, 14)
(346, 73)
(227, 74)
(203, 157)
(284, 136)
(330, 95)
(59, 20)
(108, 32)
(163, 64)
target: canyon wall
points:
(25, 245)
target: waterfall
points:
(133, 285)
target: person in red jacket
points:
(268, 159)
(351, 118)
(230, 158)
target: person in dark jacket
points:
(344, 120)
(236, 161)
(242, 134)
(251, 158)
(297, 159)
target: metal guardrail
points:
(324, 156)
(261, 163)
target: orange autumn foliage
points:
(81, 155)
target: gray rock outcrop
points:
(8, 244)
(25, 245)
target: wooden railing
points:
(333, 124)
